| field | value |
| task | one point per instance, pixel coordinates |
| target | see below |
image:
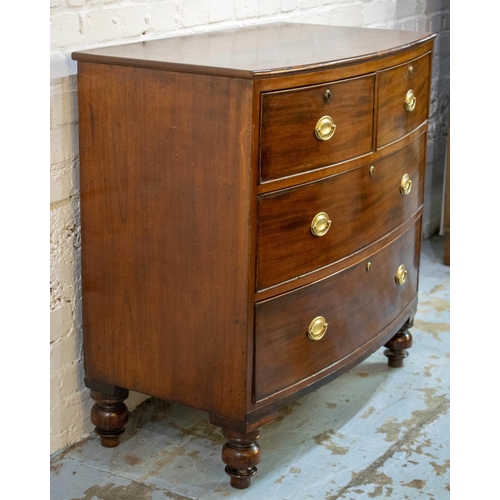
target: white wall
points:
(84, 24)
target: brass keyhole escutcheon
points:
(372, 171)
(325, 128)
(320, 224)
(317, 328)
(410, 100)
(369, 266)
(405, 186)
(327, 95)
(410, 70)
(401, 275)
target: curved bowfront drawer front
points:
(345, 310)
(307, 128)
(308, 227)
(403, 99)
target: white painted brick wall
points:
(84, 24)
(346, 14)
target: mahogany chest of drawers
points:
(251, 205)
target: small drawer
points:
(310, 127)
(403, 99)
(342, 312)
(308, 227)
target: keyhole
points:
(327, 95)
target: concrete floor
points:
(374, 432)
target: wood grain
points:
(262, 51)
(362, 208)
(394, 121)
(166, 233)
(288, 143)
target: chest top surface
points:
(259, 51)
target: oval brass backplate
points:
(405, 186)
(320, 224)
(325, 128)
(410, 101)
(401, 275)
(317, 328)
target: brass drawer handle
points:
(317, 328)
(405, 186)
(410, 101)
(401, 275)
(320, 224)
(325, 128)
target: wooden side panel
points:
(357, 304)
(166, 204)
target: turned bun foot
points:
(240, 478)
(109, 414)
(241, 454)
(396, 347)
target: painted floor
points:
(375, 432)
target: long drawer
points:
(358, 207)
(355, 303)
(307, 128)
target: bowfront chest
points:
(251, 206)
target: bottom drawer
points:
(356, 303)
